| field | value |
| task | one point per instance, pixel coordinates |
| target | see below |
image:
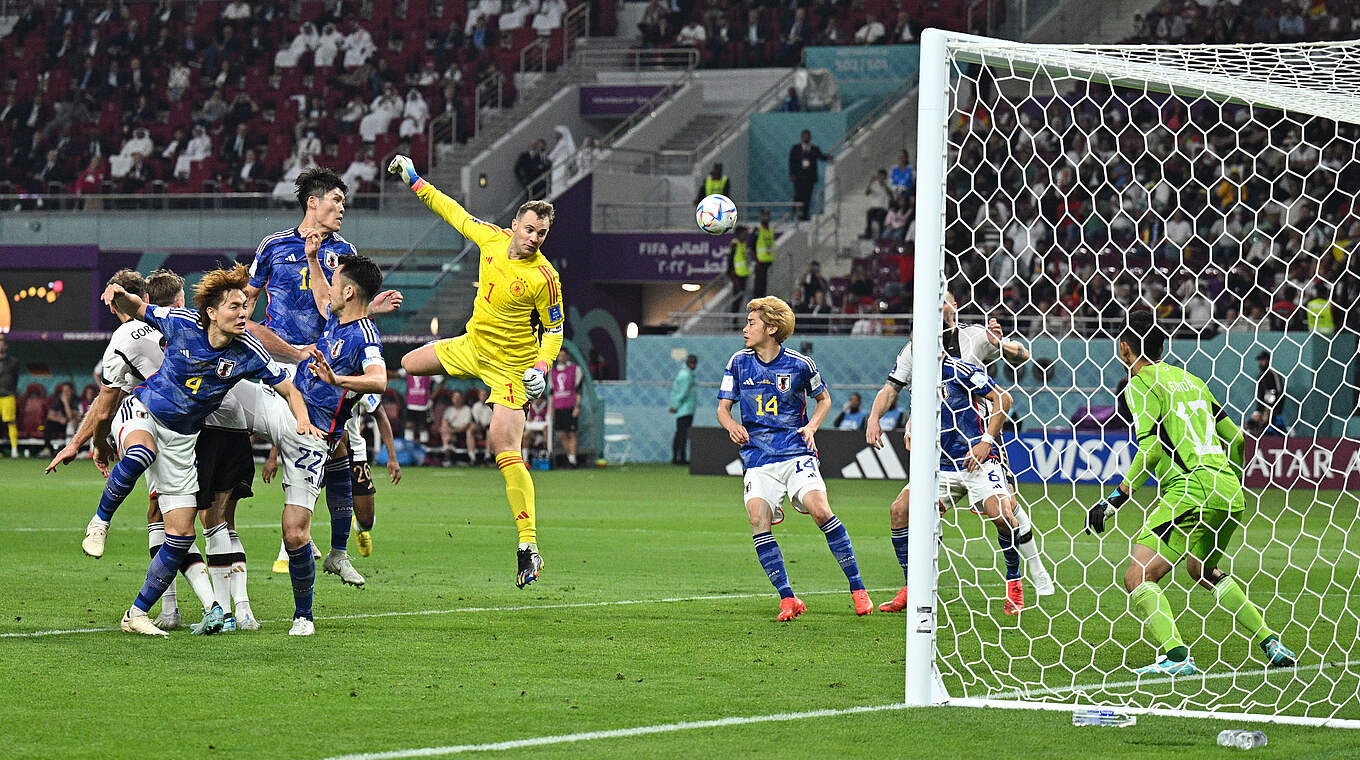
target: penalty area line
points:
(617, 733)
(457, 610)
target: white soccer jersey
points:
(974, 348)
(367, 404)
(134, 353)
(238, 408)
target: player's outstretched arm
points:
(873, 431)
(123, 302)
(447, 208)
(735, 430)
(389, 442)
(273, 343)
(316, 277)
(374, 379)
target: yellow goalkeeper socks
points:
(1150, 604)
(1233, 599)
(519, 489)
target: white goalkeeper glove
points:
(536, 381)
(402, 167)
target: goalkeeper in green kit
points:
(1195, 451)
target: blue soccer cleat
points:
(213, 620)
(1280, 656)
(1165, 667)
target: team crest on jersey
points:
(224, 367)
(517, 288)
(332, 259)
(782, 382)
(336, 347)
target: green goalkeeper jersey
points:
(1180, 429)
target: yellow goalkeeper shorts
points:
(461, 359)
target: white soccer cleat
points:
(316, 553)
(302, 627)
(1043, 584)
(95, 534)
(142, 624)
(247, 622)
(337, 563)
(169, 621)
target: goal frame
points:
(923, 683)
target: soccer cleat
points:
(1166, 667)
(95, 534)
(302, 627)
(1043, 584)
(142, 624)
(1280, 657)
(790, 607)
(213, 620)
(229, 624)
(1015, 597)
(247, 622)
(863, 605)
(777, 514)
(337, 563)
(896, 604)
(281, 566)
(530, 563)
(316, 553)
(364, 540)
(169, 621)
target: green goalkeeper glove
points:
(402, 167)
(1104, 510)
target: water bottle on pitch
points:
(1241, 739)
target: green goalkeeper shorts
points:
(1197, 516)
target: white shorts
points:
(977, 487)
(173, 476)
(796, 477)
(301, 459)
(358, 447)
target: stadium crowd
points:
(238, 96)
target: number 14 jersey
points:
(773, 400)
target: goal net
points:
(1060, 189)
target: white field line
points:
(617, 733)
(456, 610)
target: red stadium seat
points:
(420, 149)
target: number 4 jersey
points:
(773, 400)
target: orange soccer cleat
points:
(789, 608)
(1015, 598)
(863, 605)
(896, 604)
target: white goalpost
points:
(1060, 187)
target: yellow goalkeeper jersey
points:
(509, 291)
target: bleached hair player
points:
(980, 346)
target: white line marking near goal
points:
(1020, 694)
(616, 733)
(456, 610)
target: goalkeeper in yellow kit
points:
(501, 346)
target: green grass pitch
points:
(442, 650)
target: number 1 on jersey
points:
(767, 407)
(305, 284)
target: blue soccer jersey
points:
(349, 348)
(773, 402)
(195, 377)
(962, 386)
(280, 270)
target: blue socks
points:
(302, 571)
(163, 568)
(340, 500)
(839, 541)
(899, 541)
(123, 479)
(772, 559)
(1006, 540)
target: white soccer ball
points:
(716, 214)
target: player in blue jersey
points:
(969, 468)
(207, 352)
(778, 450)
(345, 363)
